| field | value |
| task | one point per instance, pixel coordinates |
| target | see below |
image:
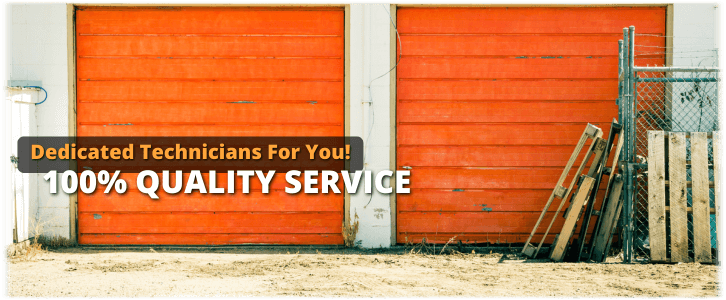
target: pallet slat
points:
(656, 196)
(558, 252)
(700, 190)
(678, 201)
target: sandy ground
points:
(306, 271)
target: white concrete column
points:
(370, 115)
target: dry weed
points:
(40, 242)
(350, 231)
(425, 248)
(54, 241)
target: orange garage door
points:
(490, 105)
(210, 72)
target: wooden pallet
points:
(581, 247)
(578, 201)
(591, 132)
(671, 148)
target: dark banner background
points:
(302, 163)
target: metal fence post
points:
(625, 104)
(632, 105)
(619, 101)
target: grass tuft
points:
(350, 231)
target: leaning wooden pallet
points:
(668, 211)
(613, 169)
(612, 193)
(591, 132)
(581, 245)
(597, 153)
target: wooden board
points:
(578, 201)
(717, 187)
(700, 195)
(678, 199)
(609, 221)
(656, 196)
(609, 241)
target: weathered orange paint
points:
(210, 72)
(490, 104)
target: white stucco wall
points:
(696, 39)
(695, 34)
(7, 216)
(38, 52)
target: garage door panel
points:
(516, 68)
(522, 90)
(477, 223)
(210, 69)
(210, 239)
(487, 178)
(479, 237)
(211, 46)
(211, 113)
(512, 20)
(210, 222)
(471, 222)
(487, 156)
(209, 130)
(275, 201)
(497, 111)
(210, 91)
(518, 45)
(228, 21)
(493, 134)
(481, 200)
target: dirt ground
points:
(333, 272)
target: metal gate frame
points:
(633, 164)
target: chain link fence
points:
(657, 97)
